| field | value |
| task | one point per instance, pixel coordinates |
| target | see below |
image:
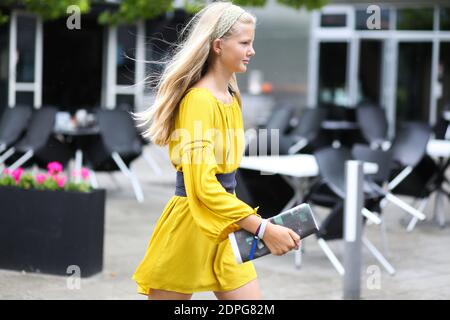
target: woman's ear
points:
(217, 46)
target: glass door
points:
(443, 96)
(370, 71)
(332, 80)
(25, 60)
(124, 69)
(413, 81)
(4, 66)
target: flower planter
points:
(48, 231)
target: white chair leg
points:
(371, 216)
(440, 216)
(331, 256)
(127, 172)
(8, 153)
(93, 179)
(403, 205)
(399, 178)
(384, 240)
(412, 224)
(377, 254)
(137, 188)
(78, 164)
(152, 163)
(414, 220)
(298, 255)
(298, 146)
(22, 160)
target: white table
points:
(438, 148)
(339, 125)
(298, 165)
(293, 168)
(447, 115)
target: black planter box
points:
(48, 231)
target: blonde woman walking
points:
(197, 113)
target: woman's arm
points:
(250, 223)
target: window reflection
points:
(444, 19)
(415, 19)
(413, 81)
(125, 102)
(126, 49)
(333, 73)
(444, 76)
(333, 20)
(25, 98)
(369, 72)
(26, 41)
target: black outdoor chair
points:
(39, 146)
(410, 170)
(340, 125)
(13, 124)
(373, 125)
(259, 141)
(408, 151)
(305, 137)
(331, 162)
(280, 118)
(413, 172)
(442, 127)
(376, 183)
(117, 146)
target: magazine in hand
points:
(300, 219)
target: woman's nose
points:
(252, 52)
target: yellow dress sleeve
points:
(214, 210)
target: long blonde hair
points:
(186, 67)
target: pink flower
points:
(54, 168)
(60, 180)
(40, 178)
(84, 173)
(16, 174)
(7, 171)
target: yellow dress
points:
(189, 250)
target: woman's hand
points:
(280, 239)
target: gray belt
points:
(227, 180)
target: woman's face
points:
(237, 50)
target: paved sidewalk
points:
(421, 258)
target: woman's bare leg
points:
(249, 291)
(168, 295)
